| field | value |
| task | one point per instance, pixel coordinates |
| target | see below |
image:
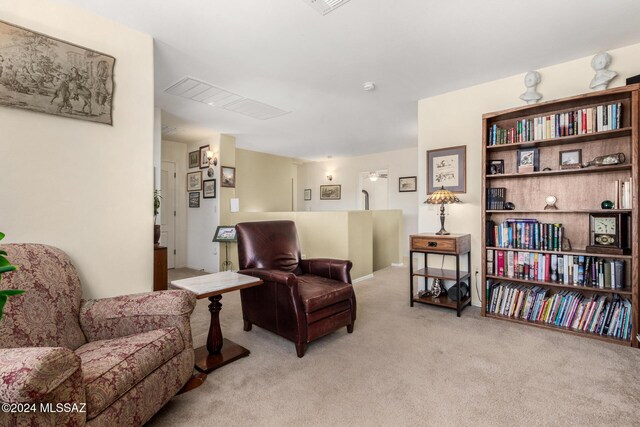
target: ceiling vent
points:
(206, 93)
(325, 6)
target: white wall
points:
(346, 172)
(85, 187)
(202, 253)
(462, 110)
(176, 153)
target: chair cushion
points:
(318, 292)
(112, 367)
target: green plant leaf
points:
(3, 301)
(1, 235)
(5, 269)
(3, 253)
(10, 292)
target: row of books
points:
(496, 198)
(622, 195)
(524, 233)
(576, 270)
(565, 309)
(577, 122)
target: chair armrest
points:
(120, 316)
(30, 374)
(335, 269)
(277, 276)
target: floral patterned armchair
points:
(68, 361)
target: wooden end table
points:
(219, 351)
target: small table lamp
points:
(442, 197)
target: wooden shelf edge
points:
(558, 211)
(547, 326)
(442, 301)
(594, 169)
(437, 273)
(623, 291)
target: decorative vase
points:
(436, 288)
(156, 234)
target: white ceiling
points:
(283, 53)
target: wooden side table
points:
(159, 268)
(446, 245)
(219, 351)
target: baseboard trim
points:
(360, 279)
(397, 264)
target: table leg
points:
(214, 339)
(219, 351)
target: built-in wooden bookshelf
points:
(579, 193)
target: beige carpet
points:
(412, 366)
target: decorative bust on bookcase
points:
(603, 77)
(531, 80)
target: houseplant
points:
(156, 207)
(5, 267)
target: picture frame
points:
(228, 176)
(330, 192)
(496, 167)
(407, 184)
(225, 234)
(528, 160)
(194, 181)
(194, 159)
(204, 162)
(194, 199)
(209, 189)
(61, 65)
(307, 194)
(570, 159)
(447, 167)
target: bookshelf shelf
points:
(593, 169)
(560, 329)
(572, 252)
(438, 273)
(443, 301)
(565, 140)
(578, 190)
(623, 291)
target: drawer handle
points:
(433, 244)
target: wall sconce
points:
(329, 177)
(213, 161)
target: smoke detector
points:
(325, 6)
(368, 86)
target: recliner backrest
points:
(47, 314)
(268, 244)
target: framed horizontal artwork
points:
(194, 181)
(528, 160)
(570, 159)
(407, 184)
(307, 194)
(228, 177)
(447, 167)
(209, 189)
(204, 162)
(330, 192)
(194, 200)
(496, 167)
(194, 159)
(225, 233)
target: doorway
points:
(168, 211)
(373, 191)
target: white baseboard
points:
(360, 279)
(397, 264)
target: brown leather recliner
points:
(300, 300)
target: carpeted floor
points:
(411, 366)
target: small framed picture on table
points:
(570, 159)
(528, 160)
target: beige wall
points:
(81, 186)
(264, 181)
(346, 172)
(387, 238)
(462, 111)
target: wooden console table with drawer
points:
(455, 245)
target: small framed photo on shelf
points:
(194, 159)
(204, 162)
(228, 174)
(570, 159)
(407, 184)
(194, 200)
(496, 167)
(330, 192)
(194, 181)
(307, 194)
(528, 160)
(209, 189)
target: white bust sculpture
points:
(531, 80)
(603, 77)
